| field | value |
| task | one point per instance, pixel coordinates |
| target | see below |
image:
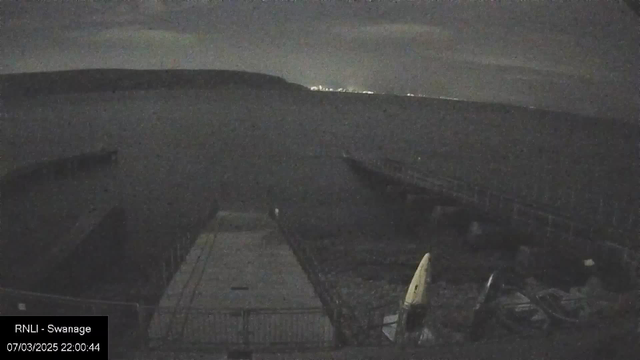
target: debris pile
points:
(530, 290)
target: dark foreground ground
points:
(596, 344)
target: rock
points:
(532, 286)
(599, 301)
(560, 270)
(627, 304)
(593, 287)
(426, 337)
(589, 262)
(483, 235)
(615, 276)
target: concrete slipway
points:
(240, 274)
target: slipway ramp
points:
(240, 286)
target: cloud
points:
(392, 30)
(483, 48)
(153, 7)
(519, 63)
(47, 15)
(139, 36)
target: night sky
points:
(578, 56)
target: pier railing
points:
(546, 223)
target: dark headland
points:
(103, 80)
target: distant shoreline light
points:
(324, 88)
(328, 89)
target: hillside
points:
(113, 80)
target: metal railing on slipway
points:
(253, 329)
(134, 328)
(347, 325)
